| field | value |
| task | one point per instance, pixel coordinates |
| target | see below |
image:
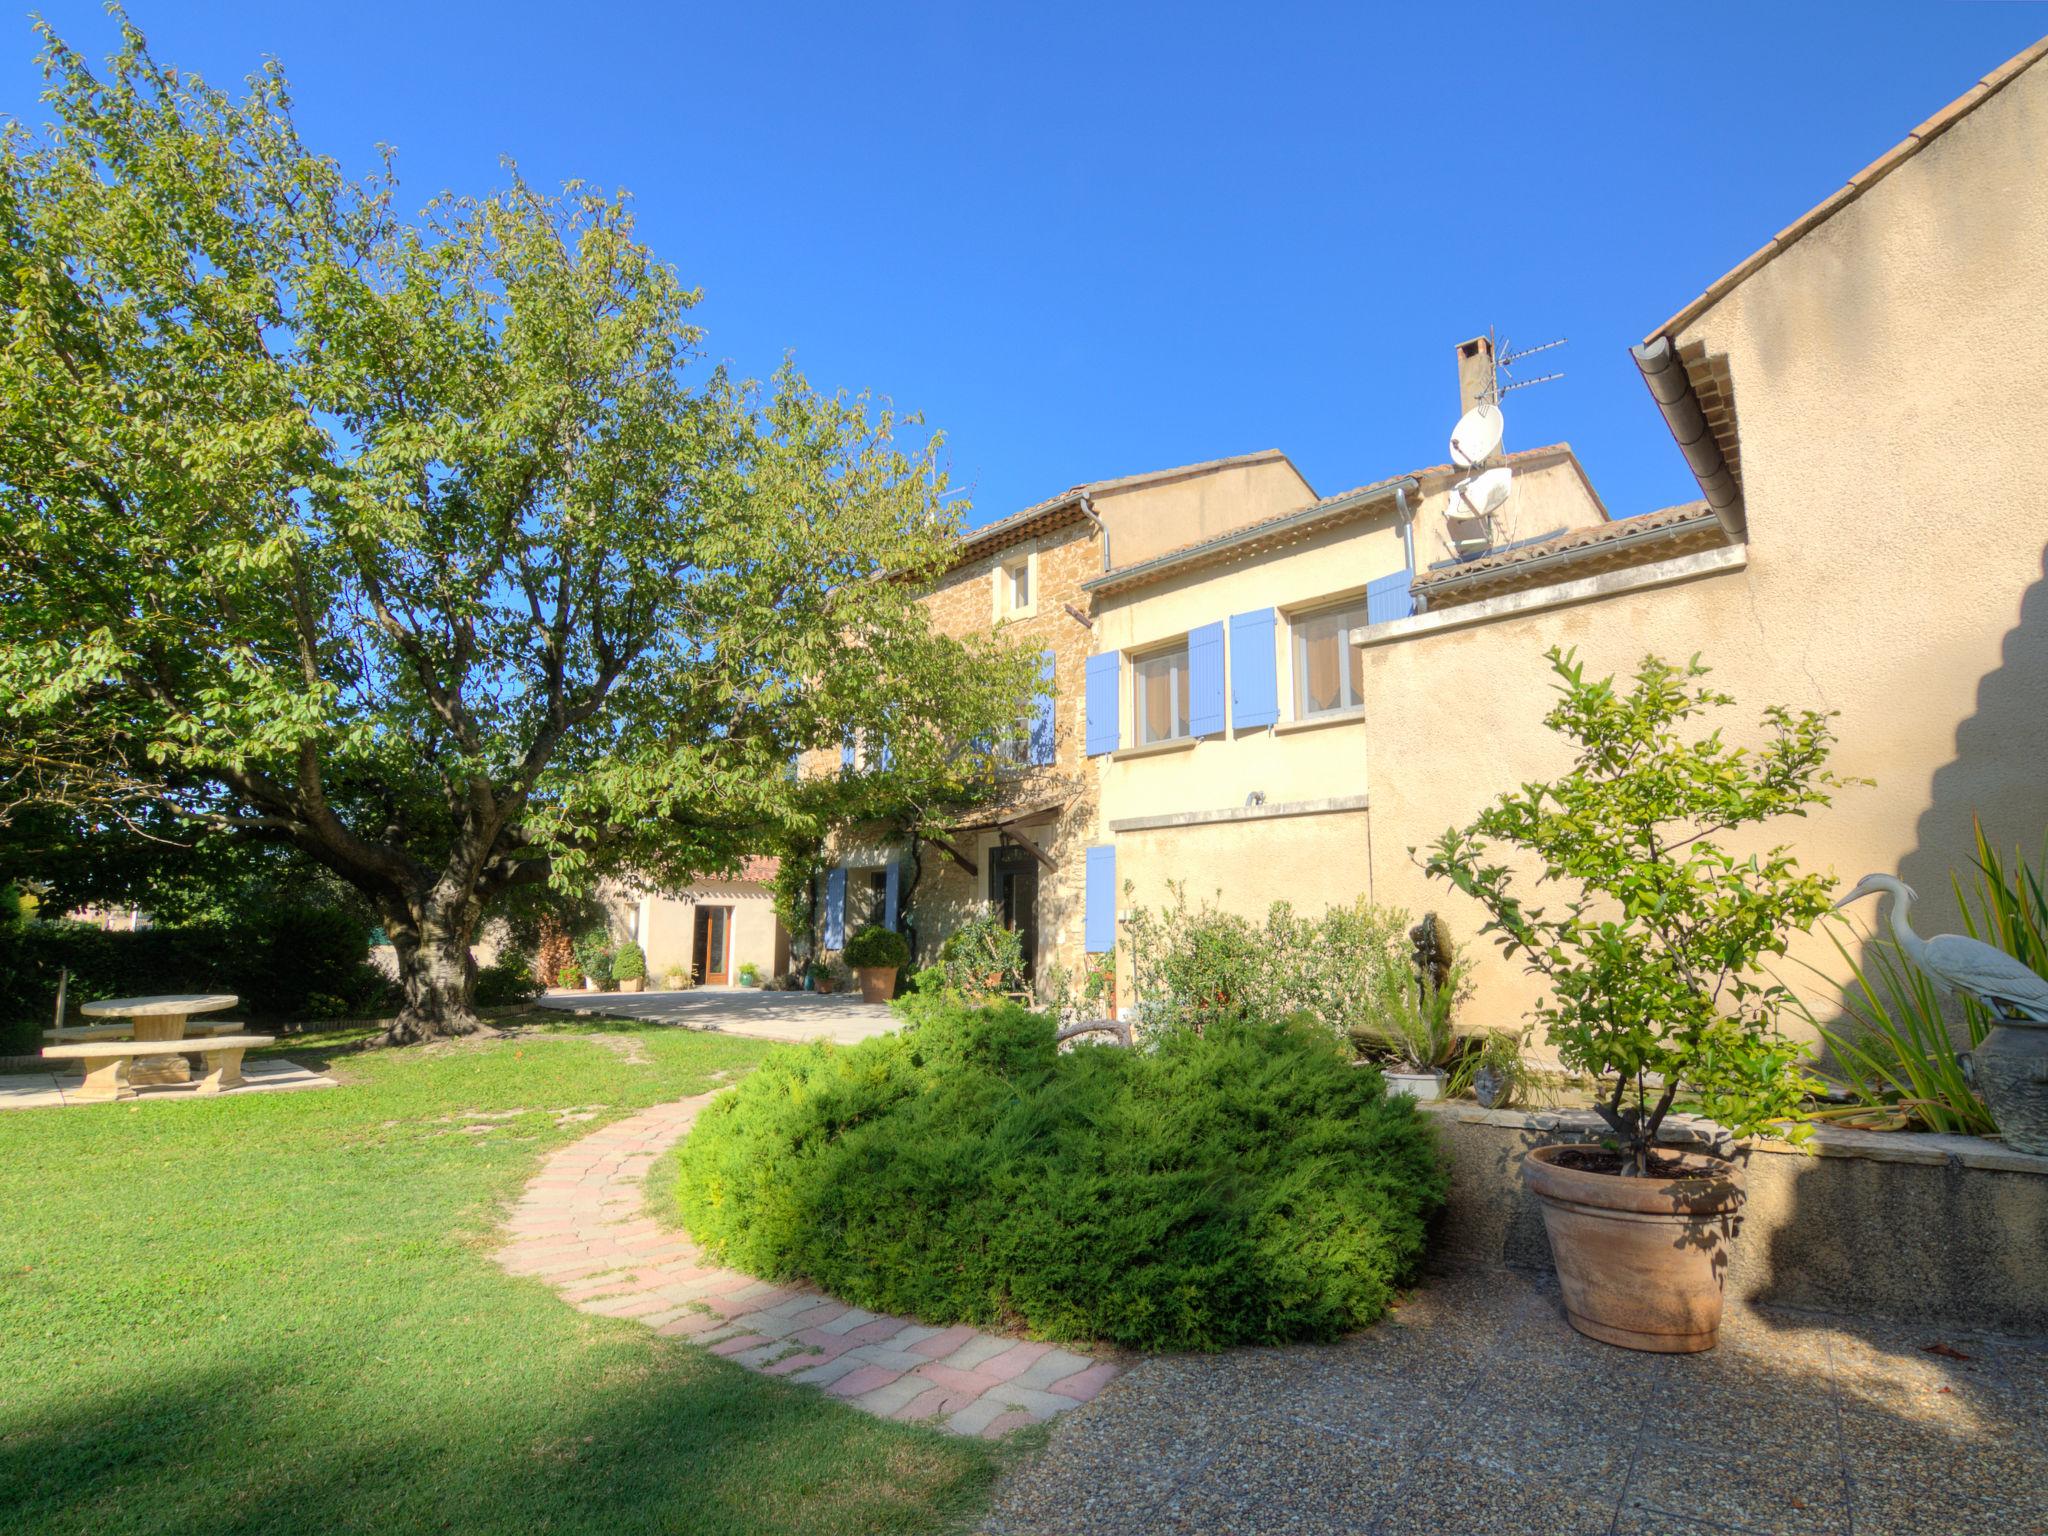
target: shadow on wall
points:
(1999, 771)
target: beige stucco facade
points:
(666, 929)
(1889, 427)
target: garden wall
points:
(1937, 1229)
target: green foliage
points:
(1411, 1014)
(506, 980)
(750, 974)
(1242, 1185)
(277, 963)
(1353, 967)
(594, 955)
(629, 962)
(570, 974)
(431, 548)
(982, 958)
(876, 946)
(1652, 955)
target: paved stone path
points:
(582, 1227)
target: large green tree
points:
(428, 547)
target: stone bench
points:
(194, 1029)
(106, 1062)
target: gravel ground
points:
(1476, 1411)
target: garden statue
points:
(2010, 1067)
(1434, 954)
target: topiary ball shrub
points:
(881, 948)
(1242, 1185)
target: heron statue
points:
(1956, 963)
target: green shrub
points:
(750, 974)
(1241, 1184)
(877, 947)
(982, 958)
(594, 957)
(508, 979)
(629, 962)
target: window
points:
(1329, 671)
(1016, 587)
(1163, 695)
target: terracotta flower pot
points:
(877, 982)
(1640, 1260)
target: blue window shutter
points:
(835, 909)
(1099, 925)
(1254, 681)
(885, 759)
(1044, 715)
(1389, 598)
(846, 753)
(1205, 679)
(892, 894)
(1104, 724)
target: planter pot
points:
(2010, 1070)
(1424, 1086)
(1640, 1260)
(1492, 1089)
(826, 983)
(877, 982)
(632, 983)
(592, 984)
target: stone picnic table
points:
(160, 1018)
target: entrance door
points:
(712, 952)
(1013, 892)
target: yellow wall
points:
(1151, 519)
(1886, 382)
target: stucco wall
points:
(667, 926)
(1891, 421)
(1151, 519)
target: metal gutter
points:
(1671, 387)
(1087, 505)
(1223, 544)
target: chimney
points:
(1475, 372)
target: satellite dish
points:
(1476, 437)
(1482, 495)
(1469, 535)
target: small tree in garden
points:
(1652, 943)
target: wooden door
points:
(712, 955)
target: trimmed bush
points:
(878, 947)
(508, 979)
(1244, 1184)
(629, 962)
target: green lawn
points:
(278, 1312)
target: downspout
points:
(1087, 506)
(1406, 517)
(1671, 388)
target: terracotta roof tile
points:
(1617, 533)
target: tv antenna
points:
(1504, 359)
(1478, 504)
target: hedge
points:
(296, 963)
(1245, 1184)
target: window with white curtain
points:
(1329, 671)
(1162, 695)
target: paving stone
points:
(582, 1228)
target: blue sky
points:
(1093, 240)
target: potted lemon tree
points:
(1650, 934)
(876, 954)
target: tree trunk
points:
(436, 974)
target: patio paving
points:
(1476, 1411)
(581, 1228)
(790, 1016)
(52, 1090)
